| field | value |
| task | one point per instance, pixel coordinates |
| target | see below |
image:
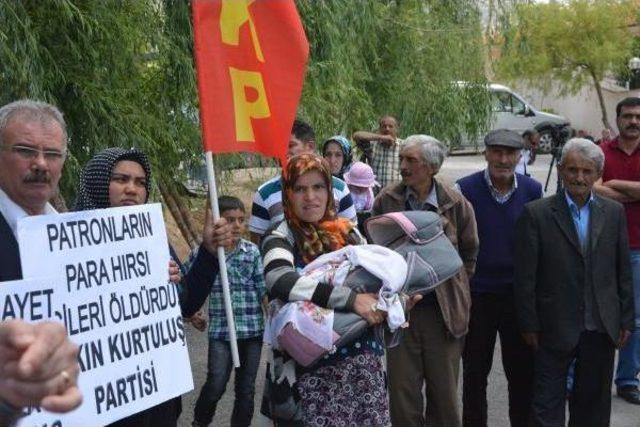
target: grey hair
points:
(586, 149)
(433, 151)
(31, 111)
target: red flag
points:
(251, 59)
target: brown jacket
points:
(459, 223)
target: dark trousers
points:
(590, 402)
(493, 314)
(218, 371)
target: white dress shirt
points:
(12, 212)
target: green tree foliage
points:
(575, 43)
(498, 13)
(117, 69)
(122, 71)
(395, 57)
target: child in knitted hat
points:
(361, 182)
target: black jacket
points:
(9, 253)
(551, 271)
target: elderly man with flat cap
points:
(498, 195)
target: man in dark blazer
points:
(573, 290)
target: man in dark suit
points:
(573, 290)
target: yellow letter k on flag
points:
(234, 14)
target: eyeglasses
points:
(32, 153)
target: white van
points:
(511, 111)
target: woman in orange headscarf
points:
(344, 388)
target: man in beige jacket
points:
(431, 348)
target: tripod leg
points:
(553, 159)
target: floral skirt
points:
(351, 392)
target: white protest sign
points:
(104, 274)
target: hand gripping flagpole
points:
(224, 279)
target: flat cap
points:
(504, 138)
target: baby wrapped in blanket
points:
(306, 331)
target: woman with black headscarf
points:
(122, 177)
(94, 191)
(337, 152)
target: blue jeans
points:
(218, 371)
(629, 356)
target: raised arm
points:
(362, 136)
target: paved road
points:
(623, 414)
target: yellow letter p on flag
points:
(244, 109)
(249, 83)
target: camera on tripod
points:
(559, 133)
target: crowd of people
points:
(556, 278)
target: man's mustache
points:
(37, 177)
(633, 127)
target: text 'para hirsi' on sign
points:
(116, 268)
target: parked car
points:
(512, 111)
